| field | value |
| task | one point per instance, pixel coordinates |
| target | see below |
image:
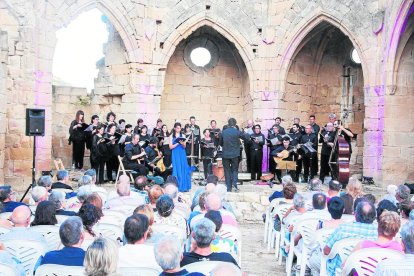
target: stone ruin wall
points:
(265, 34)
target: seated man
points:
(71, 234)
(213, 202)
(123, 195)
(8, 199)
(179, 204)
(62, 177)
(203, 235)
(363, 228)
(277, 152)
(405, 266)
(333, 189)
(168, 254)
(319, 209)
(136, 253)
(58, 198)
(21, 231)
(141, 187)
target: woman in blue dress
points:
(181, 170)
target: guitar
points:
(285, 154)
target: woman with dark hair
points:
(113, 151)
(181, 170)
(90, 132)
(99, 153)
(77, 138)
(144, 134)
(165, 147)
(89, 215)
(45, 214)
(110, 120)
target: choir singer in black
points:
(134, 155)
(257, 141)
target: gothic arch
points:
(297, 41)
(121, 22)
(185, 30)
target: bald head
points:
(21, 216)
(210, 187)
(123, 179)
(213, 202)
(171, 190)
(249, 123)
(123, 187)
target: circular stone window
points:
(355, 57)
(200, 56)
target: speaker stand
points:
(33, 170)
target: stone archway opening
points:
(325, 76)
(217, 90)
(398, 164)
(109, 85)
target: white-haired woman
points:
(101, 258)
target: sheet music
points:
(259, 138)
(196, 132)
(165, 141)
(122, 140)
(248, 130)
(89, 128)
(274, 141)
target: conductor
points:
(230, 142)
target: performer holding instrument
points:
(327, 137)
(214, 132)
(284, 152)
(77, 139)
(295, 137)
(134, 156)
(256, 142)
(207, 153)
(274, 139)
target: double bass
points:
(339, 159)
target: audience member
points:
(95, 200)
(333, 189)
(336, 209)
(226, 269)
(294, 212)
(201, 208)
(136, 253)
(62, 180)
(101, 258)
(385, 205)
(168, 254)
(353, 191)
(370, 198)
(124, 195)
(58, 198)
(388, 226)
(141, 187)
(203, 234)
(405, 210)
(89, 215)
(401, 267)
(391, 194)
(71, 235)
(39, 194)
(166, 215)
(219, 243)
(286, 180)
(179, 204)
(45, 181)
(8, 199)
(154, 193)
(363, 228)
(21, 221)
(152, 237)
(45, 214)
(314, 187)
(403, 194)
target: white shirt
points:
(125, 201)
(137, 255)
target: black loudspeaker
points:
(35, 122)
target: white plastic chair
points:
(127, 210)
(277, 236)
(138, 271)
(307, 229)
(5, 215)
(4, 230)
(269, 219)
(110, 231)
(343, 248)
(204, 267)
(7, 270)
(61, 218)
(233, 233)
(365, 261)
(26, 251)
(113, 217)
(59, 270)
(51, 234)
(170, 230)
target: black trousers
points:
(325, 169)
(256, 163)
(298, 167)
(231, 171)
(279, 174)
(272, 164)
(309, 166)
(99, 167)
(141, 169)
(111, 165)
(248, 157)
(78, 153)
(208, 167)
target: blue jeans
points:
(231, 171)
